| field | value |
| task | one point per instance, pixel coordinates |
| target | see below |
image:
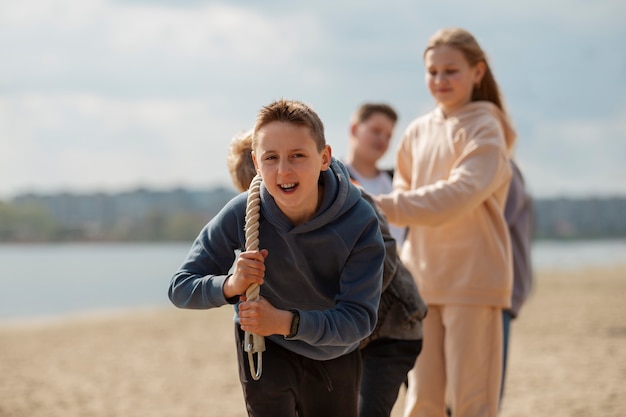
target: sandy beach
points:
(567, 358)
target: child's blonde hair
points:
(465, 42)
(291, 111)
(239, 160)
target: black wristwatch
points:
(295, 323)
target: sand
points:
(567, 358)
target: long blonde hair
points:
(465, 42)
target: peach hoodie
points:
(450, 186)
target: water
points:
(49, 280)
(40, 280)
(576, 254)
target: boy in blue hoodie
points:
(319, 270)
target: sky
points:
(111, 95)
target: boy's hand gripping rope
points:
(253, 343)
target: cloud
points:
(582, 156)
(80, 141)
(49, 13)
(103, 93)
(132, 49)
(216, 31)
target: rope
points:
(253, 343)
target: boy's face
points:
(287, 158)
(371, 138)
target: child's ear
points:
(327, 157)
(256, 166)
(353, 128)
(479, 72)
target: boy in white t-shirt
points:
(371, 130)
(392, 349)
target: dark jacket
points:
(518, 214)
(401, 309)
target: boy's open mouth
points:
(288, 187)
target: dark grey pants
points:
(385, 365)
(292, 385)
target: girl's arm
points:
(481, 169)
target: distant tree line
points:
(582, 218)
(139, 215)
(179, 214)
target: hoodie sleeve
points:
(480, 169)
(198, 283)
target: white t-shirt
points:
(381, 184)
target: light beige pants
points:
(460, 364)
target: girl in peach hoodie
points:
(450, 186)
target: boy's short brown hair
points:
(291, 111)
(239, 160)
(366, 110)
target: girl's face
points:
(371, 138)
(287, 158)
(450, 78)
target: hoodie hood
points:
(477, 109)
(339, 196)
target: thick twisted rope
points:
(253, 343)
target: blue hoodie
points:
(329, 268)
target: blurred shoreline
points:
(51, 281)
